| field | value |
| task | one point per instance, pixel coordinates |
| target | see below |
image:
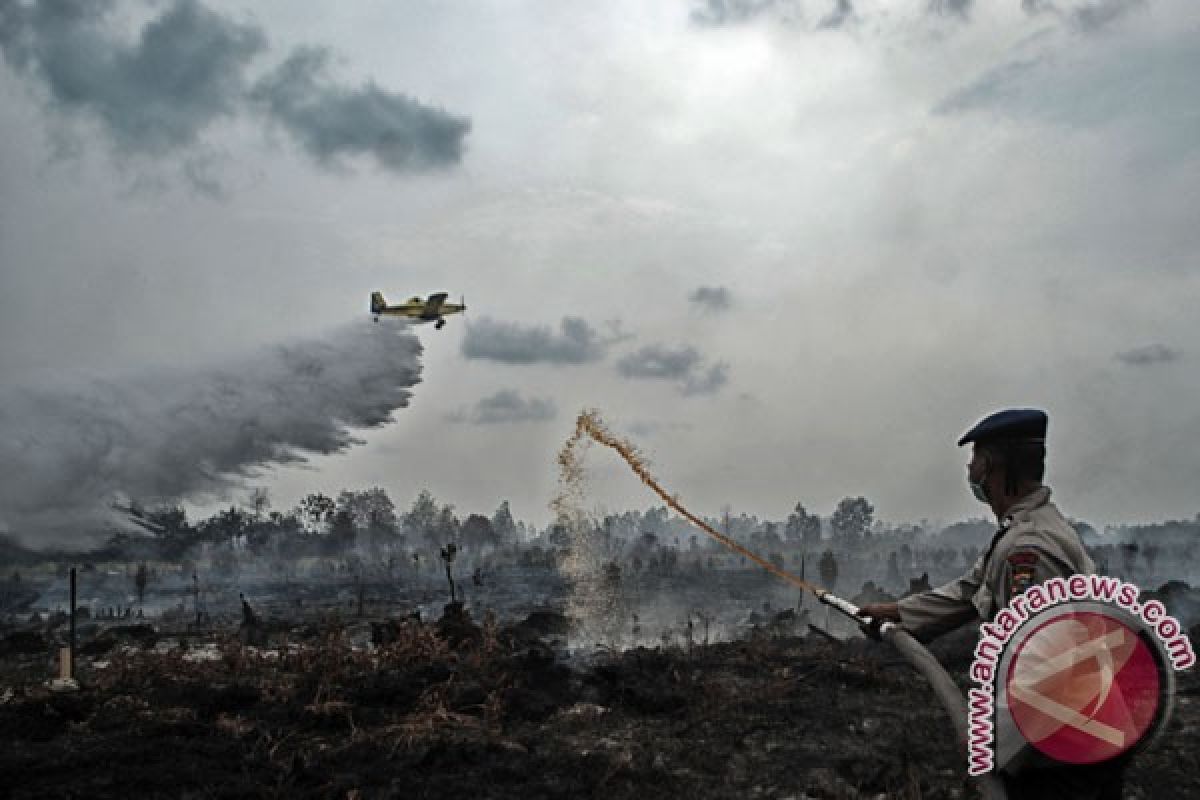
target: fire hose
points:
(947, 692)
(944, 688)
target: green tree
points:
(174, 533)
(370, 509)
(140, 579)
(802, 527)
(478, 534)
(224, 525)
(421, 518)
(445, 527)
(316, 512)
(260, 502)
(342, 532)
(503, 525)
(851, 520)
(827, 567)
(655, 520)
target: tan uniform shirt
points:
(1035, 543)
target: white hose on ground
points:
(944, 687)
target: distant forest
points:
(366, 525)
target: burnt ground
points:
(457, 711)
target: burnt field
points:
(460, 707)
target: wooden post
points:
(72, 637)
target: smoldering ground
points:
(72, 444)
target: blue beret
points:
(1014, 424)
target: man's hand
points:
(881, 612)
(878, 613)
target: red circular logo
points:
(1083, 687)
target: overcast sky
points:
(794, 249)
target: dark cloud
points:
(72, 447)
(1098, 14)
(1084, 15)
(711, 298)
(187, 68)
(1150, 354)
(507, 406)
(153, 95)
(717, 13)
(682, 365)
(659, 362)
(840, 16)
(951, 8)
(331, 121)
(576, 342)
(723, 13)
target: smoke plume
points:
(71, 447)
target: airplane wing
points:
(433, 305)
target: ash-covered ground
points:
(350, 686)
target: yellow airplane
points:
(416, 309)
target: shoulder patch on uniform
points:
(1022, 565)
(1022, 558)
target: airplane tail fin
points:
(377, 302)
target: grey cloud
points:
(716, 13)
(1151, 85)
(649, 428)
(71, 447)
(576, 342)
(706, 381)
(506, 406)
(951, 8)
(1097, 14)
(998, 85)
(1087, 16)
(711, 298)
(721, 13)
(682, 365)
(187, 69)
(1150, 354)
(331, 121)
(840, 16)
(1083, 15)
(659, 362)
(155, 95)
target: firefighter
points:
(1034, 543)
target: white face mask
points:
(978, 490)
(977, 487)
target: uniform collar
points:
(1038, 497)
(1035, 499)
